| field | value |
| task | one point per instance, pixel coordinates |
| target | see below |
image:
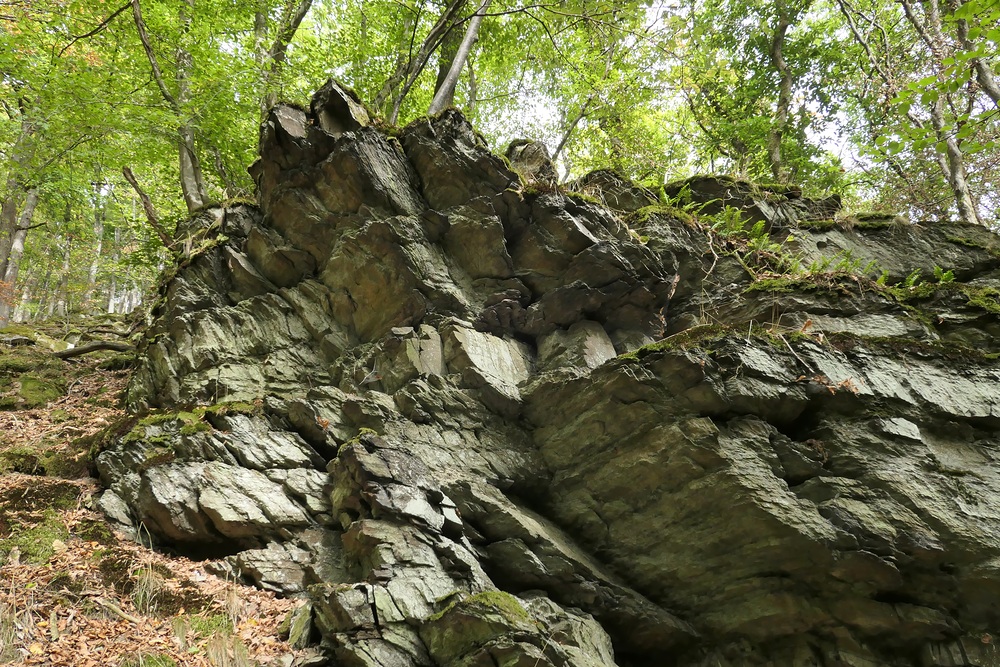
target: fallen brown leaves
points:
(79, 608)
(66, 611)
(90, 404)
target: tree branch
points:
(147, 206)
(409, 72)
(101, 26)
(94, 347)
(151, 56)
(984, 73)
(279, 49)
(777, 130)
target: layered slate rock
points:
(476, 422)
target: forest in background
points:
(120, 117)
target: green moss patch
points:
(37, 391)
(37, 543)
(156, 457)
(992, 249)
(30, 377)
(40, 494)
(646, 214)
(897, 346)
(209, 625)
(701, 336)
(93, 530)
(819, 225)
(17, 330)
(150, 660)
(787, 284)
(184, 422)
(24, 460)
(473, 624)
(66, 464)
(12, 364)
(98, 442)
(875, 219)
(64, 581)
(116, 571)
(118, 362)
(506, 604)
(170, 602)
(583, 198)
(839, 282)
(983, 298)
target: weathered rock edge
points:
(480, 422)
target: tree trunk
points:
(15, 192)
(572, 125)
(147, 206)
(446, 56)
(774, 136)
(99, 213)
(288, 26)
(408, 70)
(984, 72)
(112, 295)
(8, 222)
(14, 259)
(192, 185)
(94, 347)
(21, 312)
(192, 182)
(444, 97)
(473, 89)
(43, 291)
(951, 160)
(955, 172)
(62, 295)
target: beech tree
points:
(931, 94)
(761, 82)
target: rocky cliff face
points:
(478, 420)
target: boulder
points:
(479, 422)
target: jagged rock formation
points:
(480, 424)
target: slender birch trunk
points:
(16, 252)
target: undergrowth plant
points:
(8, 634)
(225, 650)
(753, 247)
(148, 582)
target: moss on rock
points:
(24, 460)
(473, 623)
(37, 391)
(647, 213)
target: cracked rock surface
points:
(480, 423)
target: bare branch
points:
(151, 56)
(101, 26)
(147, 206)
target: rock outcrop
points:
(480, 423)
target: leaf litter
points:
(74, 592)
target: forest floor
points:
(72, 590)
